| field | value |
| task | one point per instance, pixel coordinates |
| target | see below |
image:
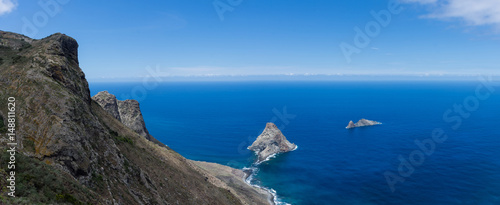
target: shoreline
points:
(234, 180)
(249, 172)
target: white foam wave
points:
(271, 156)
(254, 170)
(267, 158)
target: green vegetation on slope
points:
(38, 183)
(119, 138)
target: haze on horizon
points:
(262, 38)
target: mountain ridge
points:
(62, 132)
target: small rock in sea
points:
(362, 123)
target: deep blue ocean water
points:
(216, 121)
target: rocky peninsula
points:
(362, 123)
(271, 142)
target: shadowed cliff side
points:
(71, 150)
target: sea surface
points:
(216, 121)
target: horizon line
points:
(297, 77)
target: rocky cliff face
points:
(131, 116)
(362, 123)
(70, 150)
(54, 106)
(109, 103)
(128, 112)
(271, 142)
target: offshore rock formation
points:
(271, 142)
(71, 151)
(362, 123)
(128, 112)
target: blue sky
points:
(257, 37)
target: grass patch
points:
(67, 198)
(3, 128)
(97, 177)
(98, 181)
(126, 164)
(124, 139)
(19, 59)
(119, 138)
(113, 132)
(25, 46)
(29, 145)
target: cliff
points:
(271, 142)
(71, 150)
(128, 112)
(362, 123)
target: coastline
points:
(235, 180)
(250, 172)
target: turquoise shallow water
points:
(216, 121)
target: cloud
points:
(6, 6)
(472, 12)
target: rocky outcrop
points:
(128, 112)
(71, 150)
(109, 103)
(131, 116)
(271, 142)
(362, 123)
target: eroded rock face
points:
(271, 142)
(362, 123)
(128, 112)
(131, 116)
(108, 102)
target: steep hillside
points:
(70, 150)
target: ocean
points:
(439, 142)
